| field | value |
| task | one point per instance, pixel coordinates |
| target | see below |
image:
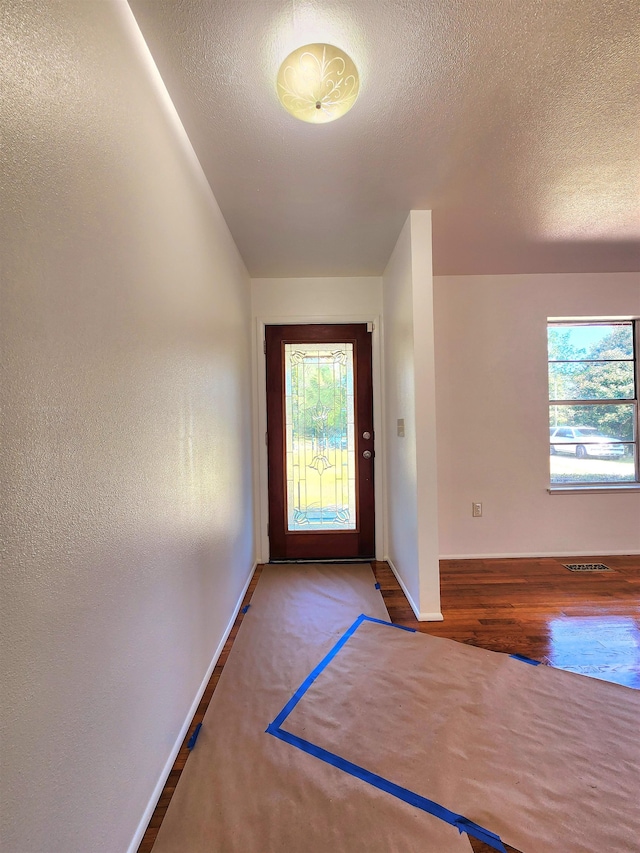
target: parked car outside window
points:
(584, 441)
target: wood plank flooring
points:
(583, 622)
(588, 623)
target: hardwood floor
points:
(588, 623)
(583, 622)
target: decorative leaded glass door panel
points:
(320, 442)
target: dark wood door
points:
(320, 442)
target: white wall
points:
(126, 499)
(411, 496)
(492, 417)
(313, 300)
(425, 413)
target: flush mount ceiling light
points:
(318, 83)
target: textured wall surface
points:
(316, 297)
(126, 466)
(425, 412)
(493, 421)
(411, 526)
(399, 379)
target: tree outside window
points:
(593, 402)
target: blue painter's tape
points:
(384, 622)
(194, 736)
(377, 586)
(462, 823)
(306, 684)
(525, 660)
(244, 609)
(410, 797)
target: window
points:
(593, 402)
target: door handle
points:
(366, 454)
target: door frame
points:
(260, 468)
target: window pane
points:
(320, 434)
(590, 341)
(594, 362)
(613, 380)
(592, 444)
(612, 420)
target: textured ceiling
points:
(515, 121)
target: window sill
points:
(593, 488)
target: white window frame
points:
(631, 485)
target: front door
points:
(320, 442)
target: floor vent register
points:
(587, 567)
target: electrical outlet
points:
(476, 510)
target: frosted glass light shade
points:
(318, 83)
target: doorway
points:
(320, 442)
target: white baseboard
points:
(624, 553)
(435, 616)
(146, 817)
(431, 616)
